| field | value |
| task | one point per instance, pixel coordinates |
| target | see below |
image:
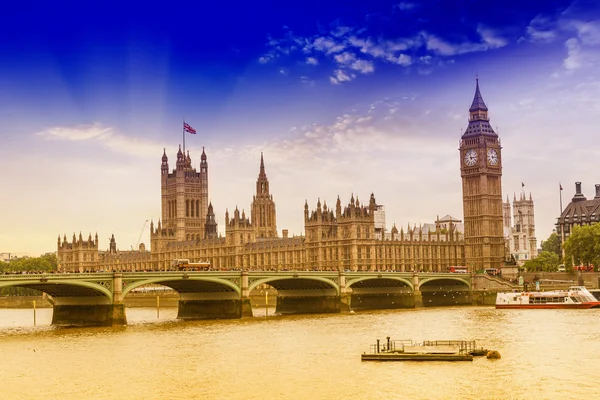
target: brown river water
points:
(546, 354)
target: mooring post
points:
(157, 306)
(34, 322)
(266, 303)
(378, 345)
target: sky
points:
(342, 97)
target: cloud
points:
(81, 132)
(307, 81)
(404, 6)
(355, 50)
(441, 47)
(105, 136)
(541, 29)
(341, 31)
(345, 58)
(327, 45)
(491, 38)
(341, 76)
(363, 66)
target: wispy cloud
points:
(489, 40)
(580, 32)
(404, 6)
(355, 50)
(105, 136)
(541, 29)
(340, 76)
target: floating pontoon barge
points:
(436, 350)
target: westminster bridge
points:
(89, 299)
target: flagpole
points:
(183, 134)
(560, 196)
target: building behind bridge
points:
(346, 238)
(349, 237)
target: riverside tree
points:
(546, 261)
(583, 246)
(552, 244)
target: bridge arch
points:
(55, 288)
(354, 281)
(325, 283)
(164, 280)
(423, 281)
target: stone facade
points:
(481, 172)
(345, 239)
(520, 236)
(352, 237)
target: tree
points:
(583, 246)
(545, 261)
(43, 264)
(552, 244)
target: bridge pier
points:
(417, 295)
(96, 310)
(345, 294)
(308, 301)
(246, 304)
(196, 306)
(89, 314)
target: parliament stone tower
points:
(184, 195)
(481, 172)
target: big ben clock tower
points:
(481, 172)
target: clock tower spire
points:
(481, 172)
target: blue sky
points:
(342, 97)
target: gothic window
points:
(192, 208)
(198, 208)
(187, 208)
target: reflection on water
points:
(546, 354)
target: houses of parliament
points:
(350, 236)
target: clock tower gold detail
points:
(481, 172)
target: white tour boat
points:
(574, 297)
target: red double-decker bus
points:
(458, 269)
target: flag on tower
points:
(559, 185)
(189, 129)
(522, 184)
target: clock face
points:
(471, 157)
(492, 157)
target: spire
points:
(262, 165)
(478, 103)
(203, 156)
(164, 157)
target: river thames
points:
(546, 354)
